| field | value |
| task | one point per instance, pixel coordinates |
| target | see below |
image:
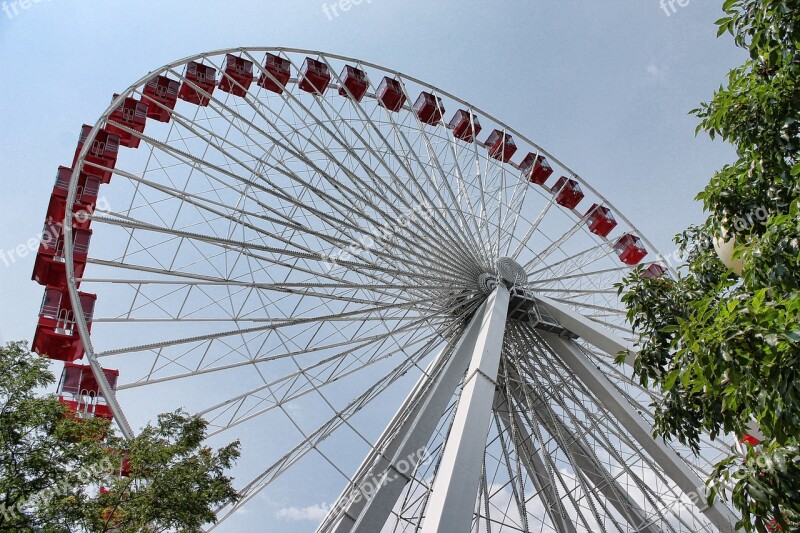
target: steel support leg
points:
(455, 489)
(593, 333)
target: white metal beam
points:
(455, 489)
(668, 459)
(591, 332)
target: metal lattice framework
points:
(371, 301)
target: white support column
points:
(674, 467)
(455, 489)
(407, 433)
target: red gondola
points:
(237, 75)
(50, 267)
(85, 198)
(276, 75)
(654, 271)
(751, 440)
(56, 334)
(501, 146)
(102, 153)
(132, 114)
(465, 125)
(600, 220)
(568, 192)
(630, 249)
(79, 380)
(160, 95)
(390, 94)
(203, 79)
(535, 168)
(314, 76)
(354, 83)
(429, 108)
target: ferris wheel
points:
(403, 307)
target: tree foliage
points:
(57, 474)
(725, 349)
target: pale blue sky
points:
(604, 84)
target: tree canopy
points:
(59, 473)
(724, 348)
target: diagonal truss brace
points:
(585, 459)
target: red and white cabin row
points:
(57, 336)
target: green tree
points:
(724, 348)
(58, 475)
(39, 446)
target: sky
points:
(605, 85)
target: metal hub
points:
(511, 272)
(487, 283)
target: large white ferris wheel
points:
(402, 306)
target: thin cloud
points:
(654, 71)
(298, 514)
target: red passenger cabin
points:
(429, 108)
(630, 249)
(85, 198)
(124, 465)
(568, 192)
(535, 168)
(354, 83)
(79, 391)
(314, 76)
(237, 75)
(277, 71)
(654, 271)
(50, 267)
(751, 440)
(56, 335)
(501, 146)
(199, 83)
(465, 125)
(132, 114)
(102, 153)
(600, 220)
(160, 91)
(391, 95)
